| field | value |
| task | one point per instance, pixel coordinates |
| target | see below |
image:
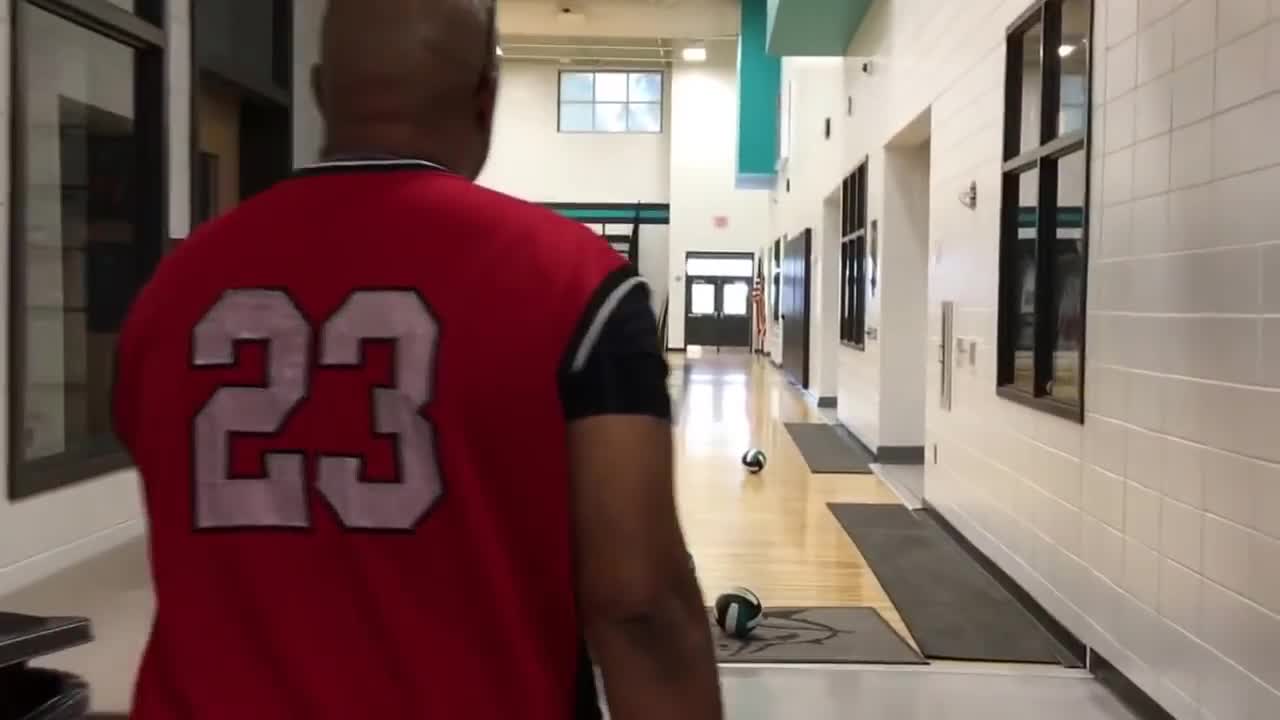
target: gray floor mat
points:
(818, 635)
(953, 608)
(829, 448)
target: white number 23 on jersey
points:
(279, 499)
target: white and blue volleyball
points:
(738, 612)
(754, 460)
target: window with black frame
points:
(776, 295)
(853, 258)
(1043, 243)
(88, 224)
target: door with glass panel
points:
(718, 299)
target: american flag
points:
(757, 290)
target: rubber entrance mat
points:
(830, 449)
(818, 635)
(953, 608)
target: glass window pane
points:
(78, 228)
(863, 185)
(577, 86)
(718, 266)
(611, 87)
(576, 117)
(1032, 82)
(1024, 281)
(1068, 279)
(703, 298)
(644, 117)
(611, 117)
(645, 87)
(844, 291)
(735, 295)
(1074, 54)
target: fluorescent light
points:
(1066, 50)
(694, 53)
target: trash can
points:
(39, 694)
(28, 693)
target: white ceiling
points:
(670, 19)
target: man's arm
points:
(641, 605)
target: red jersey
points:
(342, 398)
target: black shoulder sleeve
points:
(614, 365)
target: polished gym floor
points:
(771, 532)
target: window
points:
(776, 296)
(853, 258)
(1043, 243)
(611, 102)
(87, 226)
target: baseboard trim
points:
(827, 401)
(1073, 645)
(1135, 698)
(900, 454)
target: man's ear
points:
(317, 85)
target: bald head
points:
(413, 78)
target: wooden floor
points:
(770, 532)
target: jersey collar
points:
(369, 163)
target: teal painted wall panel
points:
(759, 77)
(814, 28)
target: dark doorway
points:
(242, 84)
(795, 307)
(718, 299)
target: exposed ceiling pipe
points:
(587, 58)
(575, 46)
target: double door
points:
(718, 311)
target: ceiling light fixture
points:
(1065, 50)
(499, 51)
(694, 53)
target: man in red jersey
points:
(406, 441)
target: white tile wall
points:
(1153, 530)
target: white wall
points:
(824, 315)
(531, 159)
(655, 257)
(44, 534)
(1152, 530)
(704, 108)
(902, 287)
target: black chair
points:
(28, 693)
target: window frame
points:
(775, 281)
(854, 228)
(661, 102)
(143, 31)
(1044, 157)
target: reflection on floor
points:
(771, 532)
